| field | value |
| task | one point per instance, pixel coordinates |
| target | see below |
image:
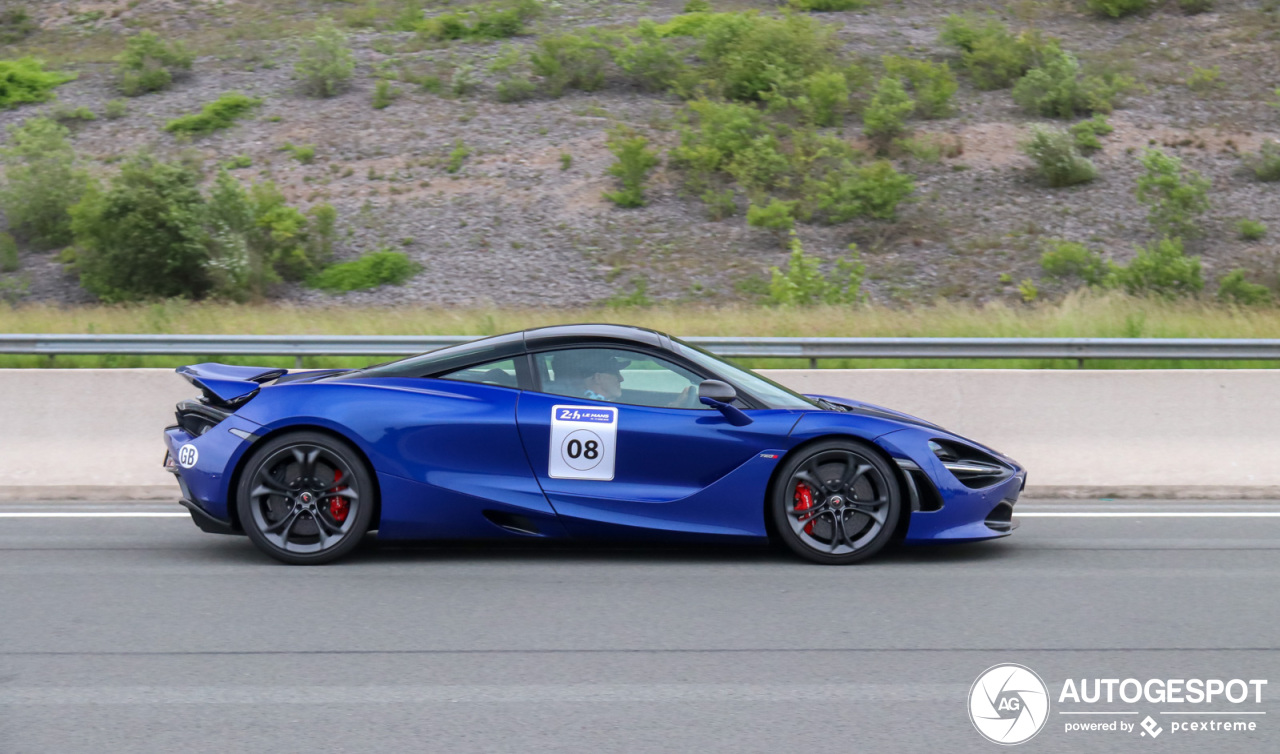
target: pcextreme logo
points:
(1009, 704)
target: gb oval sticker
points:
(188, 455)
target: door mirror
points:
(720, 392)
(720, 396)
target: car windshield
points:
(743, 380)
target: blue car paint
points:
(446, 452)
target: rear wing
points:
(226, 384)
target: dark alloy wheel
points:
(305, 498)
(836, 502)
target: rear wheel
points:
(305, 498)
(836, 502)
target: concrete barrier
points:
(95, 434)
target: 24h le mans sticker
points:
(584, 441)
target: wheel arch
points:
(904, 515)
(233, 484)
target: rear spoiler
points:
(228, 385)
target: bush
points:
(144, 237)
(873, 190)
(325, 62)
(457, 156)
(115, 109)
(568, 61)
(828, 5)
(776, 215)
(932, 84)
(1056, 158)
(149, 64)
(1161, 269)
(1251, 230)
(823, 98)
(1204, 79)
(516, 90)
(1086, 133)
(1116, 8)
(635, 161)
(497, 21)
(724, 132)
(1056, 89)
(221, 113)
(1176, 197)
(42, 181)
(803, 284)
(15, 25)
(384, 94)
(1234, 289)
(304, 153)
(885, 116)
(992, 55)
(369, 271)
(25, 80)
(1266, 163)
(8, 253)
(66, 114)
(720, 204)
(1067, 259)
(650, 60)
(749, 56)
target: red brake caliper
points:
(339, 507)
(804, 501)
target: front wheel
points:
(836, 502)
(305, 498)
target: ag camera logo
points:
(1008, 704)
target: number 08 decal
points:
(583, 442)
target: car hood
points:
(870, 409)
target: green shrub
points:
(304, 153)
(25, 80)
(884, 117)
(238, 162)
(457, 156)
(1086, 133)
(1161, 269)
(1067, 259)
(1266, 163)
(1251, 230)
(1056, 158)
(149, 64)
(384, 94)
(697, 6)
(42, 181)
(776, 215)
(66, 114)
(1234, 289)
(1204, 79)
(325, 61)
(749, 55)
(8, 253)
(1057, 89)
(993, 56)
(219, 114)
(463, 80)
(873, 190)
(724, 132)
(382, 267)
(516, 90)
(144, 237)
(495, 21)
(651, 61)
(803, 284)
(720, 204)
(566, 161)
(634, 161)
(15, 25)
(1176, 198)
(823, 97)
(1193, 7)
(828, 5)
(569, 61)
(1116, 8)
(932, 84)
(115, 109)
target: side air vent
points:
(974, 468)
(513, 522)
(197, 418)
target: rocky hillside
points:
(519, 223)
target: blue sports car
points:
(570, 432)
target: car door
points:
(648, 458)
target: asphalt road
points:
(141, 634)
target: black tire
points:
(852, 506)
(305, 498)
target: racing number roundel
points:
(583, 442)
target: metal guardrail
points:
(811, 349)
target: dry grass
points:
(1079, 315)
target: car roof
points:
(560, 335)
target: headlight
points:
(974, 468)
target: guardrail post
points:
(297, 362)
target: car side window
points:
(501, 373)
(618, 376)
